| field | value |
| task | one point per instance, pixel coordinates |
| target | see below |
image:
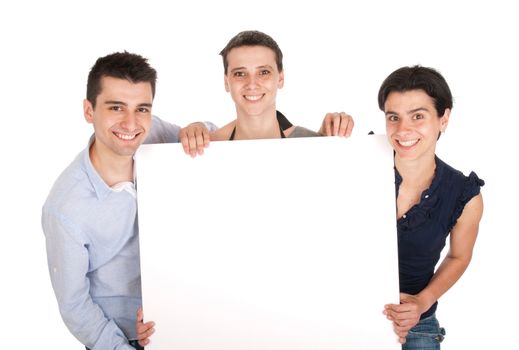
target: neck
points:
(111, 167)
(417, 172)
(263, 126)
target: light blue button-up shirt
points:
(93, 251)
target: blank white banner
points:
(269, 244)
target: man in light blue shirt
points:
(90, 216)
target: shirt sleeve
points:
(162, 132)
(210, 126)
(471, 188)
(67, 257)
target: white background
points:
(335, 59)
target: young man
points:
(89, 218)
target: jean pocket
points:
(437, 334)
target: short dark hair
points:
(122, 65)
(252, 38)
(418, 78)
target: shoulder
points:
(299, 131)
(454, 177)
(223, 133)
(464, 191)
(162, 132)
(72, 185)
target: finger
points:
(145, 330)
(327, 123)
(192, 144)
(406, 307)
(140, 315)
(144, 342)
(336, 123)
(346, 125)
(402, 333)
(200, 143)
(403, 325)
(184, 140)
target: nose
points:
(404, 126)
(252, 81)
(129, 121)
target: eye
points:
(143, 110)
(392, 118)
(264, 72)
(418, 116)
(238, 74)
(116, 108)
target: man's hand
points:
(144, 330)
(194, 138)
(337, 124)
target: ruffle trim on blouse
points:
(419, 214)
(429, 200)
(471, 188)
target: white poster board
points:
(269, 244)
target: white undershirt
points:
(127, 186)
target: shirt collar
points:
(101, 189)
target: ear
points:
(281, 80)
(444, 120)
(88, 111)
(226, 83)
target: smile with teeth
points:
(125, 137)
(253, 97)
(407, 143)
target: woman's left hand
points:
(404, 315)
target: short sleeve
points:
(471, 188)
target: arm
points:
(336, 124)
(463, 237)
(68, 266)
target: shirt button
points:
(426, 196)
(404, 216)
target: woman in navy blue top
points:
(433, 201)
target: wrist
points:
(425, 300)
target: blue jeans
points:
(426, 335)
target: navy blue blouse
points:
(423, 230)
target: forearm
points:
(68, 267)
(463, 238)
(449, 272)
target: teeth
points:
(407, 143)
(125, 137)
(253, 98)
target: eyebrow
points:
(259, 67)
(114, 102)
(237, 69)
(419, 109)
